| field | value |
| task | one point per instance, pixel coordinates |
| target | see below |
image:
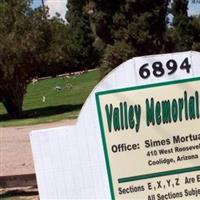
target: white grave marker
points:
(137, 136)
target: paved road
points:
(15, 150)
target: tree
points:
(139, 25)
(101, 17)
(55, 52)
(196, 33)
(28, 42)
(82, 52)
(15, 40)
(182, 26)
(114, 55)
(146, 25)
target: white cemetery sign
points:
(137, 136)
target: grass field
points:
(59, 104)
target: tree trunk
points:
(13, 101)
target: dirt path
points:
(15, 149)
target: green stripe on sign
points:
(159, 174)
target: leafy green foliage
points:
(138, 25)
(115, 55)
(16, 42)
(196, 33)
(83, 54)
(28, 43)
(55, 52)
(179, 7)
(186, 30)
(102, 18)
(182, 27)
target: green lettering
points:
(131, 120)
(186, 108)
(166, 112)
(125, 114)
(150, 112)
(158, 116)
(192, 108)
(180, 103)
(122, 116)
(116, 119)
(138, 117)
(174, 110)
(109, 113)
(197, 103)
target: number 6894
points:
(158, 69)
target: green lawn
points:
(63, 104)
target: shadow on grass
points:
(44, 112)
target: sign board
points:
(137, 136)
(150, 136)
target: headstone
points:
(137, 136)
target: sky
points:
(60, 6)
(194, 8)
(54, 6)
